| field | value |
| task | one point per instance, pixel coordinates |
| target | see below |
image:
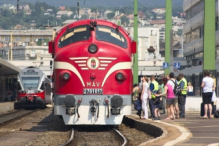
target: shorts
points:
(157, 105)
(170, 101)
(175, 102)
(206, 97)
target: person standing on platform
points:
(168, 91)
(140, 88)
(214, 97)
(161, 91)
(135, 92)
(182, 98)
(172, 82)
(144, 97)
(154, 87)
(190, 89)
(207, 85)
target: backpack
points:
(216, 114)
(177, 89)
(137, 104)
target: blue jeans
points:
(190, 93)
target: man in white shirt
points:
(207, 85)
(172, 82)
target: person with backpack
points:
(182, 98)
(168, 91)
(172, 81)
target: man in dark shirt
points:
(182, 98)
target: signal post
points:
(168, 28)
(135, 64)
(209, 55)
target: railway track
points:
(15, 115)
(110, 137)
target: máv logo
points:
(93, 63)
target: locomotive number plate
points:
(93, 91)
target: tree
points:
(110, 15)
(124, 20)
(179, 32)
(154, 16)
(64, 18)
(73, 8)
(84, 17)
(94, 9)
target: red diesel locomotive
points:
(92, 73)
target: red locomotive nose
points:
(93, 75)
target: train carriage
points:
(34, 88)
(92, 73)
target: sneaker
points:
(155, 118)
(158, 118)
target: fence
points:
(196, 81)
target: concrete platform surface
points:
(6, 107)
(204, 131)
(192, 131)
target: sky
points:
(104, 3)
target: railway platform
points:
(189, 131)
(6, 107)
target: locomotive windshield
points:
(75, 34)
(112, 35)
(30, 82)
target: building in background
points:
(150, 60)
(148, 37)
(194, 30)
(29, 48)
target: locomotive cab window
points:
(75, 34)
(111, 35)
(30, 82)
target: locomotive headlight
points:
(66, 76)
(92, 48)
(119, 76)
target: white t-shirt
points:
(190, 88)
(140, 85)
(171, 82)
(208, 84)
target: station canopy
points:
(7, 68)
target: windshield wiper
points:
(117, 31)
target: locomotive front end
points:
(92, 73)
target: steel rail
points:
(121, 136)
(5, 122)
(70, 139)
